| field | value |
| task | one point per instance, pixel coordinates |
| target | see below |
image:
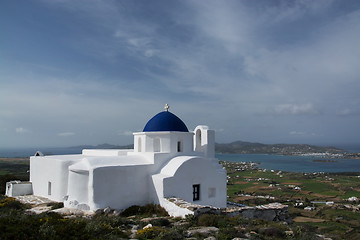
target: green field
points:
(314, 187)
(335, 221)
(251, 187)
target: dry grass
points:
(307, 219)
(14, 159)
(240, 182)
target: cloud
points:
(125, 133)
(66, 134)
(294, 10)
(236, 60)
(296, 133)
(346, 112)
(296, 109)
(21, 130)
(219, 130)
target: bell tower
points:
(204, 141)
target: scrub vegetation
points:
(317, 200)
(338, 220)
(13, 169)
(148, 223)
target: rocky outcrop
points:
(271, 212)
(206, 231)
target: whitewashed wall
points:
(120, 187)
(168, 141)
(45, 171)
(184, 172)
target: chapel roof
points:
(165, 122)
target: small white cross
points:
(166, 107)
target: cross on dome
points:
(167, 107)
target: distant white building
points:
(167, 161)
(309, 208)
(353, 199)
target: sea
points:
(289, 163)
(306, 164)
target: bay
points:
(295, 163)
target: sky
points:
(94, 71)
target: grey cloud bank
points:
(90, 72)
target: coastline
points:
(294, 163)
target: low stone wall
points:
(271, 212)
(18, 188)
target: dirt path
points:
(307, 219)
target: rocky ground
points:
(148, 222)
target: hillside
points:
(286, 149)
(104, 146)
(247, 148)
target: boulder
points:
(202, 231)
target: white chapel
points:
(167, 161)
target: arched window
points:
(139, 144)
(198, 140)
(157, 146)
(179, 146)
(49, 188)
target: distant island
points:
(241, 147)
(284, 149)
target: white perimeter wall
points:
(44, 170)
(17, 188)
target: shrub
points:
(55, 205)
(130, 211)
(150, 233)
(208, 220)
(63, 228)
(191, 219)
(272, 232)
(147, 210)
(229, 233)
(107, 226)
(7, 203)
(47, 231)
(161, 222)
(16, 228)
(154, 209)
(302, 229)
(173, 234)
(216, 220)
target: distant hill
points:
(105, 146)
(245, 148)
(249, 147)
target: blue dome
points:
(164, 122)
